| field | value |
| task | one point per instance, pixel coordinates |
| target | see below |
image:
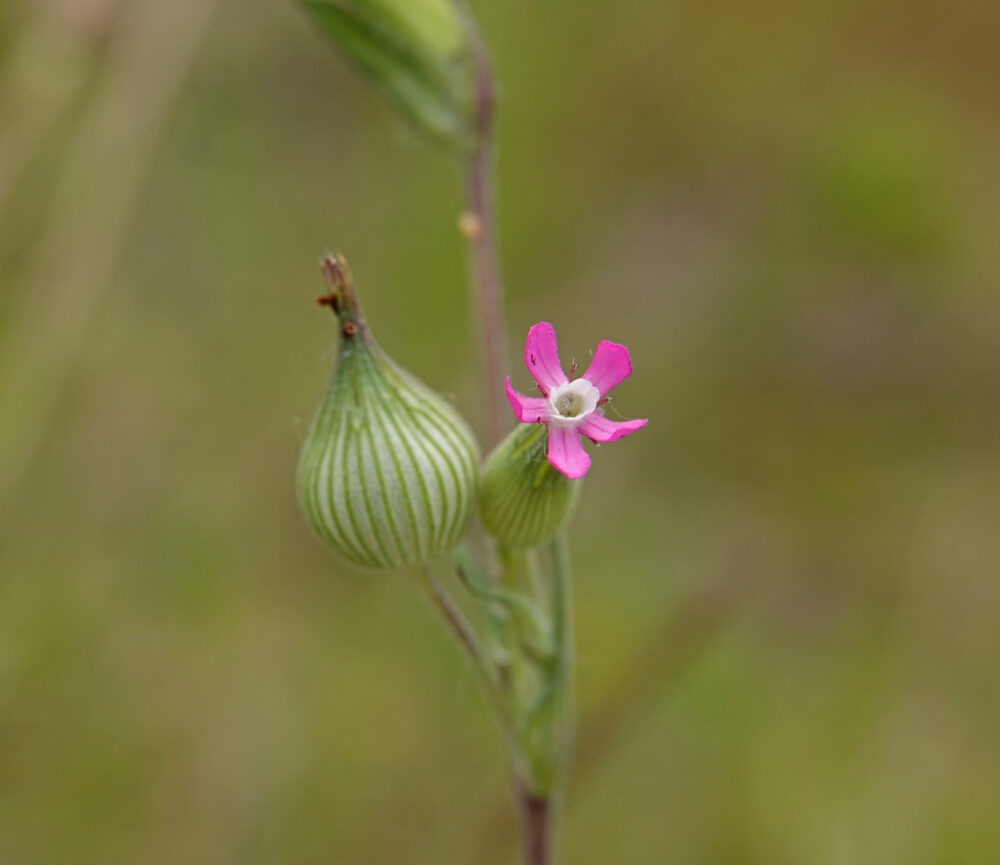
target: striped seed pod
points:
(523, 499)
(387, 475)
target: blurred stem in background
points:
(152, 47)
(48, 65)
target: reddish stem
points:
(485, 283)
(537, 814)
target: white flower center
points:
(570, 403)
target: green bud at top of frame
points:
(420, 53)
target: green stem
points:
(549, 723)
(562, 625)
(452, 615)
(531, 691)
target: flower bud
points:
(419, 52)
(523, 499)
(387, 475)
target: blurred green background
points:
(787, 585)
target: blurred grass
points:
(787, 212)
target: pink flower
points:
(572, 408)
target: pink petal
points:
(610, 367)
(599, 429)
(566, 452)
(528, 409)
(541, 354)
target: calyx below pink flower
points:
(571, 408)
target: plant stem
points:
(452, 615)
(562, 620)
(537, 805)
(484, 266)
(537, 812)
